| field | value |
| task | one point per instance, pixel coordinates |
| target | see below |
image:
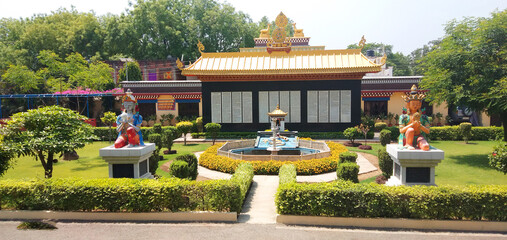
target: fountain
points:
(277, 144)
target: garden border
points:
(396, 223)
(202, 216)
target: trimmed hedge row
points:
(477, 133)
(210, 159)
(287, 174)
(129, 195)
(241, 135)
(346, 199)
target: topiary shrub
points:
(157, 139)
(348, 171)
(385, 137)
(213, 129)
(184, 128)
(380, 126)
(180, 169)
(466, 130)
(351, 134)
(385, 162)
(348, 157)
(199, 123)
(498, 159)
(168, 137)
(191, 160)
(157, 128)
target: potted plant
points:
(167, 119)
(439, 118)
(151, 120)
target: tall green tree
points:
(131, 72)
(469, 67)
(46, 132)
(399, 62)
(19, 79)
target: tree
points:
(45, 132)
(399, 62)
(20, 79)
(469, 66)
(108, 119)
(131, 72)
(184, 128)
(168, 137)
(213, 129)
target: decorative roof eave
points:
(372, 69)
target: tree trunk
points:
(184, 139)
(109, 133)
(49, 166)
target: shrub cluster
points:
(477, 133)
(348, 157)
(379, 126)
(498, 158)
(385, 162)
(287, 174)
(348, 171)
(346, 199)
(385, 137)
(211, 160)
(191, 164)
(466, 130)
(130, 195)
(180, 169)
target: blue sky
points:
(405, 24)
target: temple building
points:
(320, 89)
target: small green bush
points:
(287, 174)
(6, 158)
(213, 129)
(157, 139)
(465, 129)
(348, 171)
(385, 137)
(168, 136)
(180, 169)
(395, 133)
(385, 162)
(191, 160)
(498, 159)
(157, 128)
(348, 157)
(379, 126)
(351, 134)
(346, 199)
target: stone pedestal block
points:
(128, 162)
(413, 167)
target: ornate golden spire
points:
(414, 95)
(200, 46)
(362, 42)
(277, 112)
(279, 40)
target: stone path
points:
(259, 206)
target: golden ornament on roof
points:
(362, 42)
(383, 59)
(298, 32)
(265, 32)
(179, 64)
(414, 95)
(279, 40)
(281, 20)
(277, 112)
(200, 46)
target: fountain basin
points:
(282, 151)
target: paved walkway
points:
(259, 206)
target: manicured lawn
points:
(89, 164)
(374, 148)
(463, 164)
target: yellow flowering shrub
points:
(210, 159)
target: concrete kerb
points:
(395, 223)
(120, 216)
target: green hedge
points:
(244, 135)
(348, 171)
(130, 195)
(287, 174)
(453, 133)
(348, 157)
(346, 199)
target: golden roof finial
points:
(383, 59)
(179, 64)
(298, 32)
(200, 46)
(277, 112)
(414, 95)
(279, 40)
(362, 42)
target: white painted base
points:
(128, 155)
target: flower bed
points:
(210, 159)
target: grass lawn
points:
(463, 164)
(89, 164)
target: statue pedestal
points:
(128, 162)
(413, 167)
